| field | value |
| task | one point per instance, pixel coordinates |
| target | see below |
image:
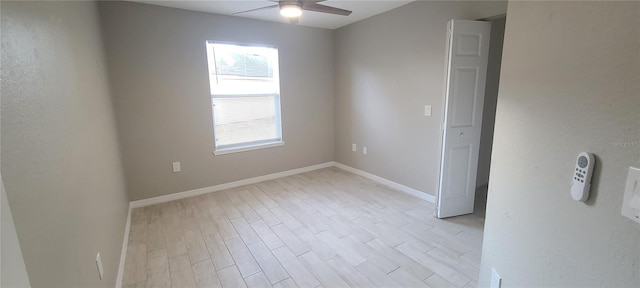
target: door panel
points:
(468, 44)
(459, 158)
(467, 56)
(464, 96)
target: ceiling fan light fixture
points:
(290, 10)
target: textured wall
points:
(570, 83)
(387, 68)
(158, 69)
(60, 159)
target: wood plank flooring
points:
(325, 228)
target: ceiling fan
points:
(292, 9)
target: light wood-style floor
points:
(326, 228)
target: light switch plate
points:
(176, 167)
(364, 150)
(354, 148)
(427, 110)
(631, 202)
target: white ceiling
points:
(361, 10)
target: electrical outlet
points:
(176, 166)
(354, 148)
(364, 150)
(99, 264)
(496, 281)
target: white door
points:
(467, 56)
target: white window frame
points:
(252, 145)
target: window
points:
(245, 96)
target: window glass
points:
(245, 95)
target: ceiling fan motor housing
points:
(290, 9)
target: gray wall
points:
(60, 159)
(387, 68)
(158, 70)
(490, 101)
(570, 83)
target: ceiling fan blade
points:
(257, 9)
(324, 9)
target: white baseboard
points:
(123, 253)
(205, 190)
(389, 183)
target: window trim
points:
(243, 148)
(253, 145)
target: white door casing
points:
(467, 57)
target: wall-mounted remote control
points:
(581, 183)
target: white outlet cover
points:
(364, 150)
(631, 202)
(496, 281)
(354, 148)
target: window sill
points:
(247, 148)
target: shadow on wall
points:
(490, 100)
